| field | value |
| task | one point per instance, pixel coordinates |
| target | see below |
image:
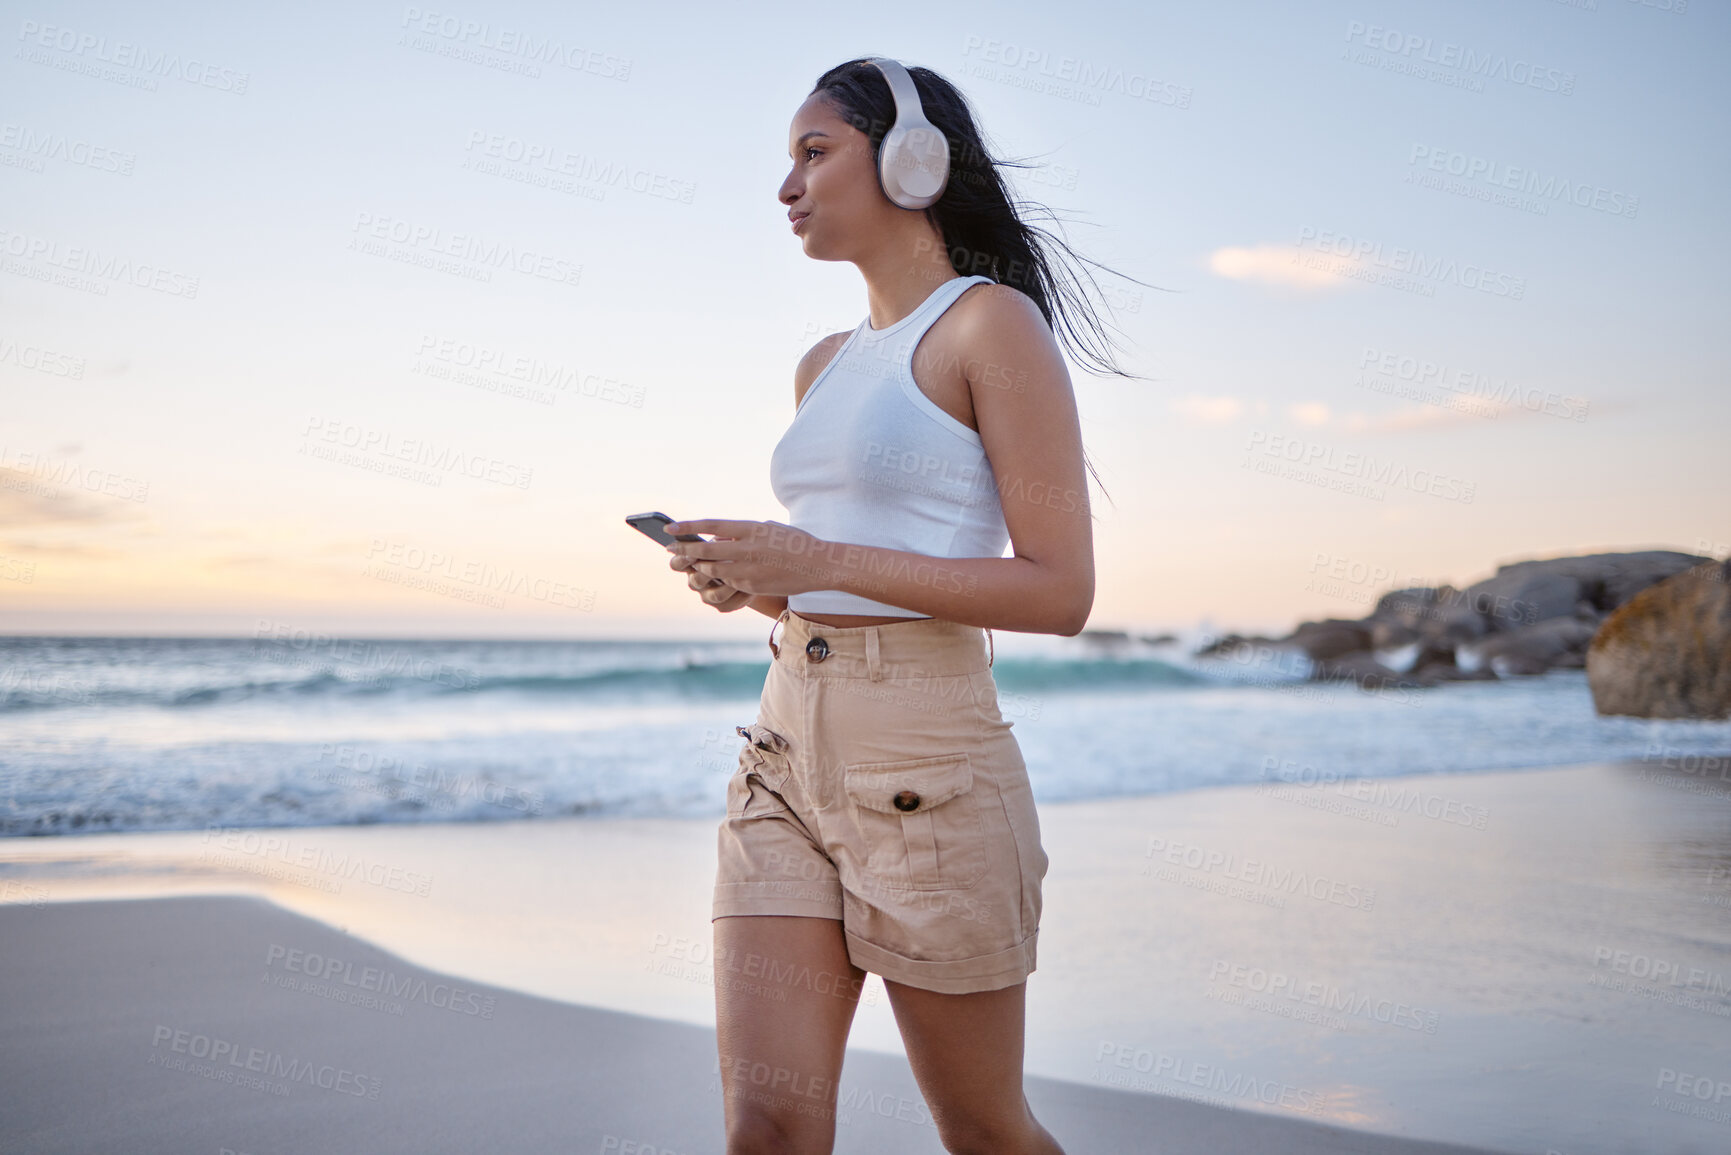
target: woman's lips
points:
(799, 220)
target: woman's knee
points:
(767, 1129)
(968, 1134)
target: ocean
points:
(118, 734)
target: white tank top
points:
(871, 460)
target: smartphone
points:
(650, 525)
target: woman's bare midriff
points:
(849, 621)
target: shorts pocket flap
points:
(762, 737)
(910, 785)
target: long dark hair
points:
(982, 228)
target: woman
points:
(881, 818)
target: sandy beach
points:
(1530, 960)
(1303, 420)
(189, 1024)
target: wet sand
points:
(191, 1024)
(1521, 961)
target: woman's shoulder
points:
(814, 361)
(993, 303)
(990, 315)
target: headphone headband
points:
(914, 159)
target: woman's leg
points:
(785, 995)
(966, 1053)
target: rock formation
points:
(1666, 653)
(1528, 617)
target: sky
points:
(1425, 289)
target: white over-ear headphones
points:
(914, 160)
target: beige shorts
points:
(880, 785)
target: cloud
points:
(1207, 410)
(1421, 417)
(1274, 265)
(1224, 410)
(59, 549)
(1407, 419)
(28, 500)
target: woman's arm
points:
(769, 605)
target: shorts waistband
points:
(918, 647)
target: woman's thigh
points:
(785, 995)
(966, 1052)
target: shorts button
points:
(817, 650)
(907, 800)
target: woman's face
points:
(834, 180)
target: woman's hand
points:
(714, 591)
(754, 557)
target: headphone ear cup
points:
(914, 165)
(914, 158)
